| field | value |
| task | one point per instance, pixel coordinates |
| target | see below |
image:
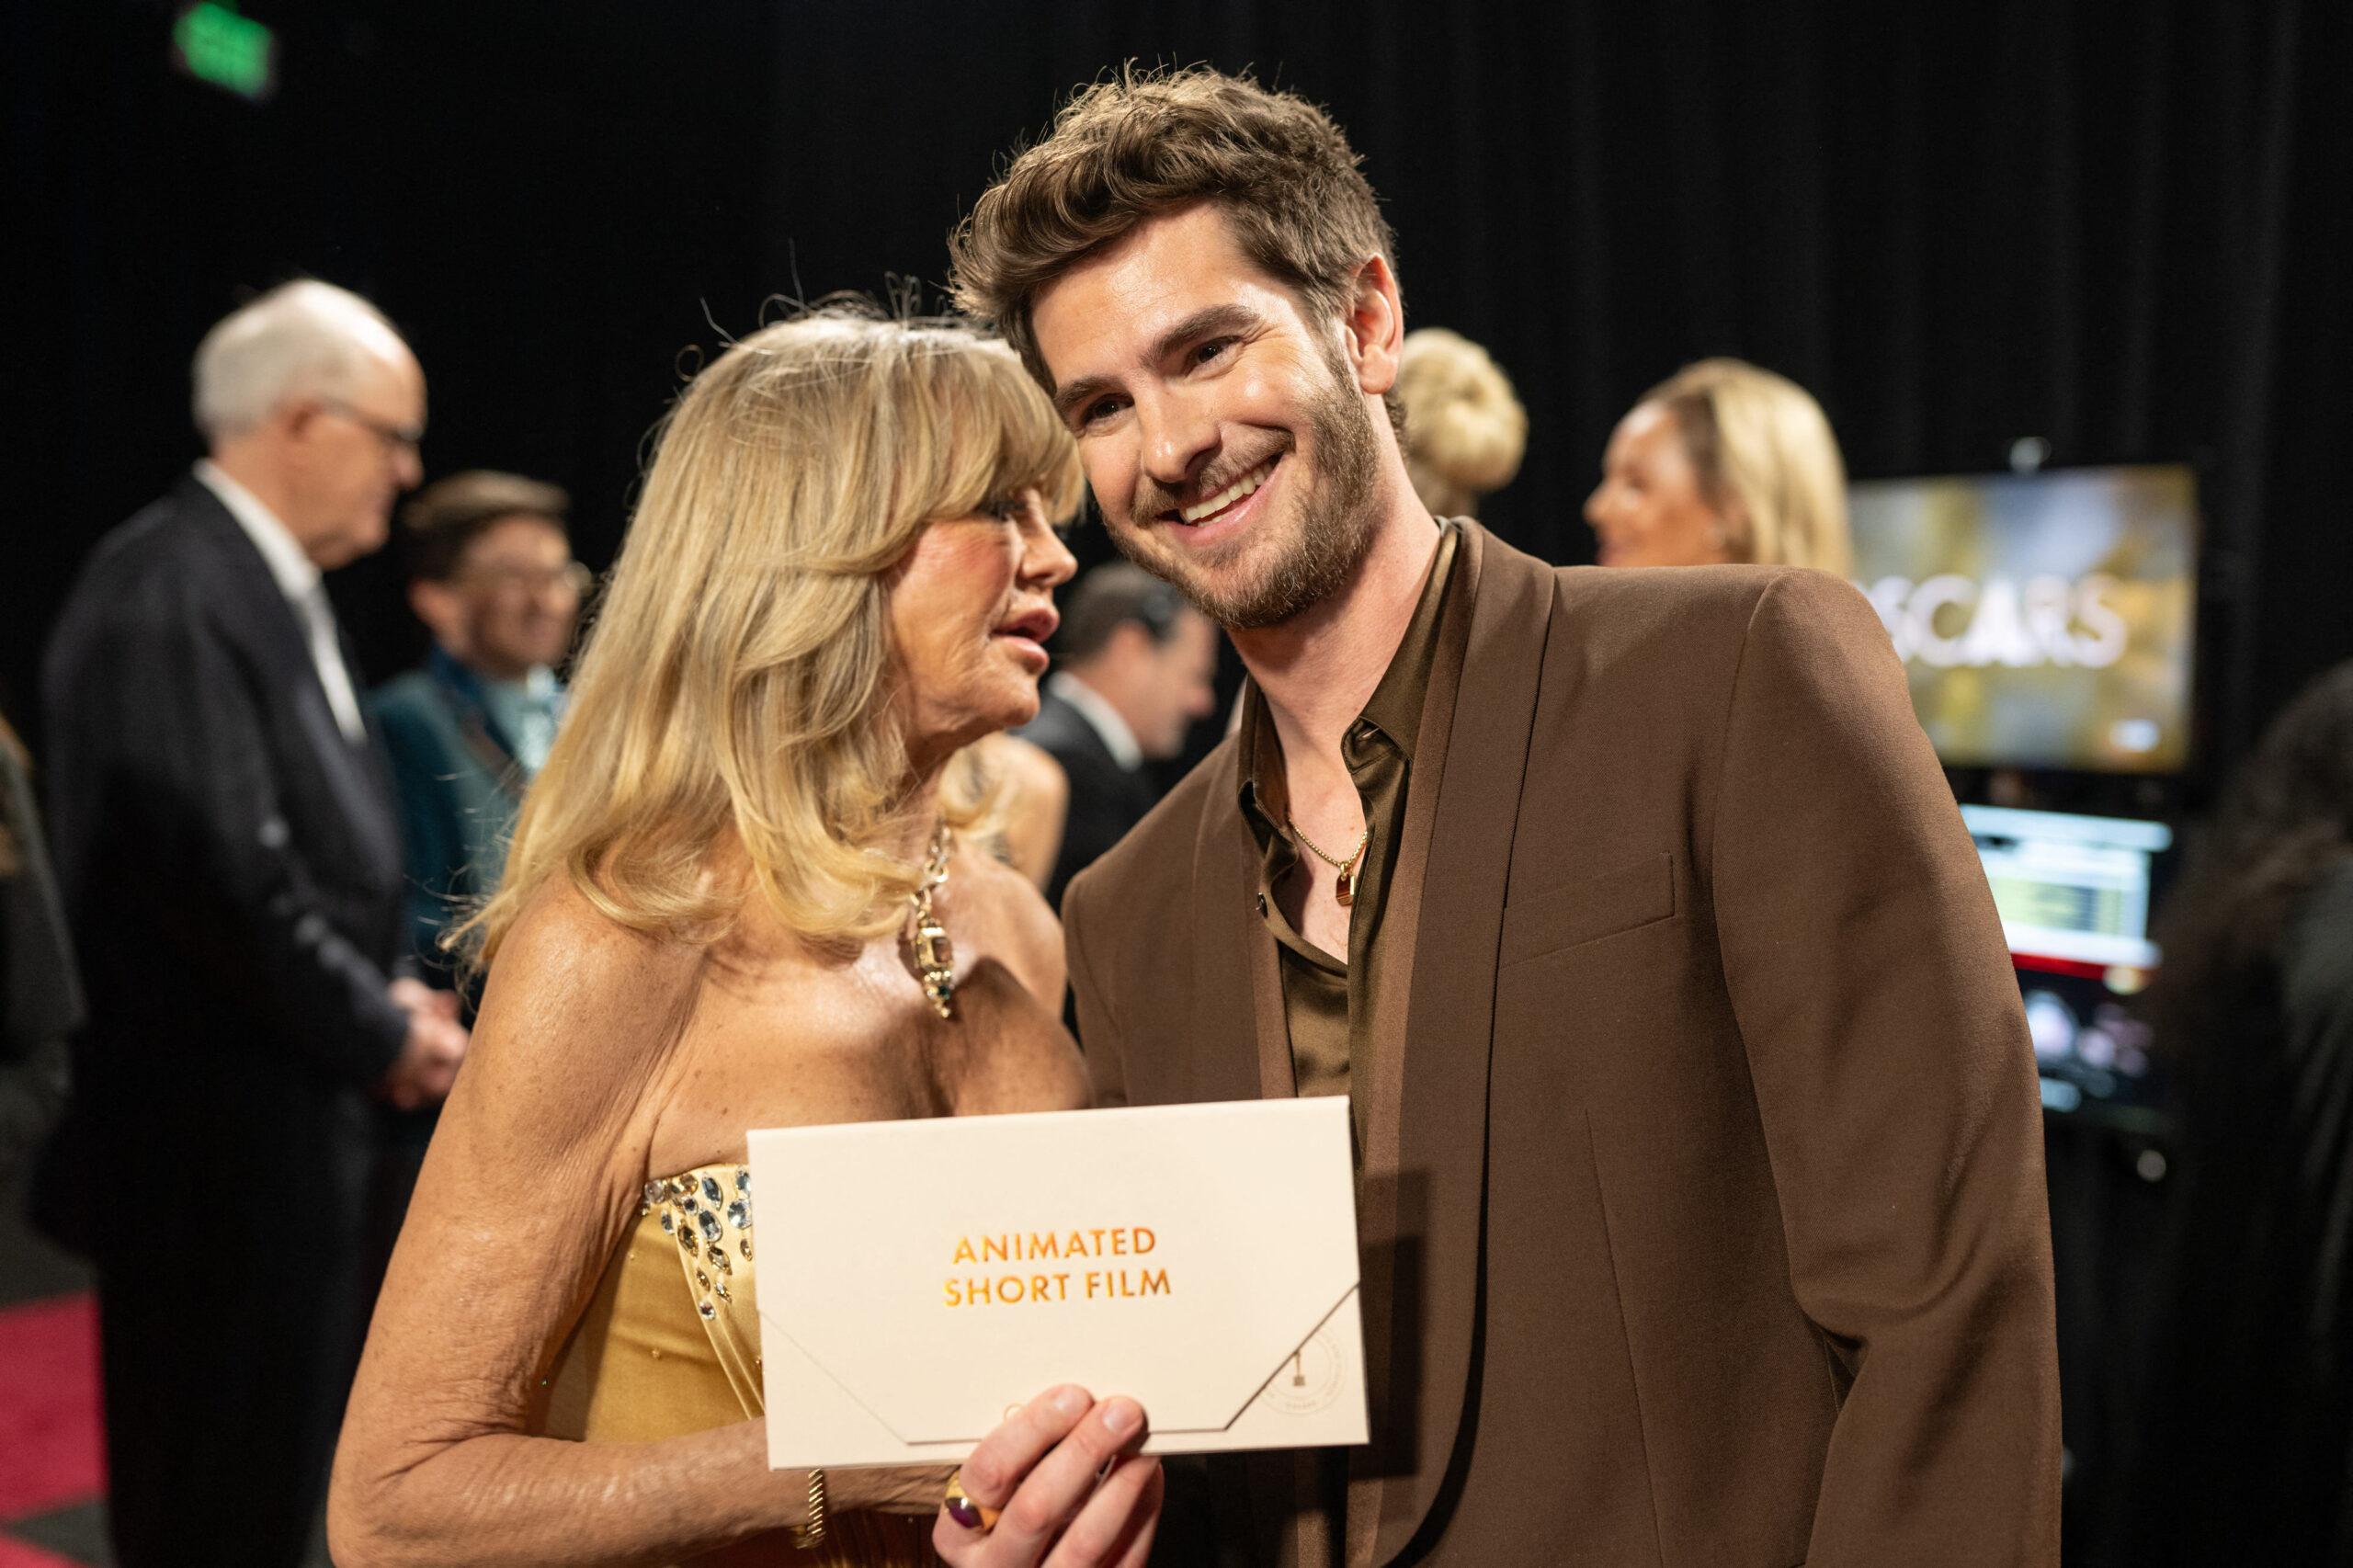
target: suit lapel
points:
(274, 630)
(355, 769)
(1239, 1038)
(1239, 1049)
(490, 747)
(1427, 1135)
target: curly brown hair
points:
(1149, 142)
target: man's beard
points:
(1336, 518)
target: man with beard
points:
(1702, 1202)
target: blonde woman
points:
(1722, 462)
(840, 577)
(1465, 430)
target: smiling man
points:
(1701, 1200)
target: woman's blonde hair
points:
(1765, 460)
(1465, 432)
(736, 688)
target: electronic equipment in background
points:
(2073, 893)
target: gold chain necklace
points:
(1346, 893)
(929, 953)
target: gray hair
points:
(304, 338)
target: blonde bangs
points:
(1007, 440)
(728, 731)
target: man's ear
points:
(438, 606)
(1376, 328)
(292, 423)
(1129, 642)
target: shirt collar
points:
(296, 573)
(538, 693)
(1098, 712)
(1394, 708)
(1257, 755)
(538, 689)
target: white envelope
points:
(918, 1279)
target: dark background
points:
(2125, 230)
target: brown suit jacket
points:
(1703, 1213)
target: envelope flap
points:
(940, 1271)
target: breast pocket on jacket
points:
(1587, 910)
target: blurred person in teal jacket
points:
(492, 576)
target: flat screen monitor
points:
(2044, 620)
(2073, 894)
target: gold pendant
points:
(1346, 892)
(936, 963)
(928, 951)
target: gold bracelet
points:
(808, 1535)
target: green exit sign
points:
(237, 54)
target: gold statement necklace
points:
(1346, 892)
(929, 953)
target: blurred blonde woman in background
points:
(1032, 804)
(1722, 462)
(721, 911)
(1465, 431)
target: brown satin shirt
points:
(1324, 995)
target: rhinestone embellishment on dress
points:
(691, 1206)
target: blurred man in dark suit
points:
(1137, 664)
(231, 862)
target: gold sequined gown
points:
(671, 1345)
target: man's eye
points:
(1213, 349)
(1094, 413)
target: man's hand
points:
(1070, 1488)
(428, 1065)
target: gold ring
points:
(966, 1510)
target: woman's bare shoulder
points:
(571, 976)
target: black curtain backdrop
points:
(2125, 230)
(2121, 228)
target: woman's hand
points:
(1069, 1488)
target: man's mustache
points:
(1152, 498)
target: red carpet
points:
(16, 1554)
(52, 1454)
